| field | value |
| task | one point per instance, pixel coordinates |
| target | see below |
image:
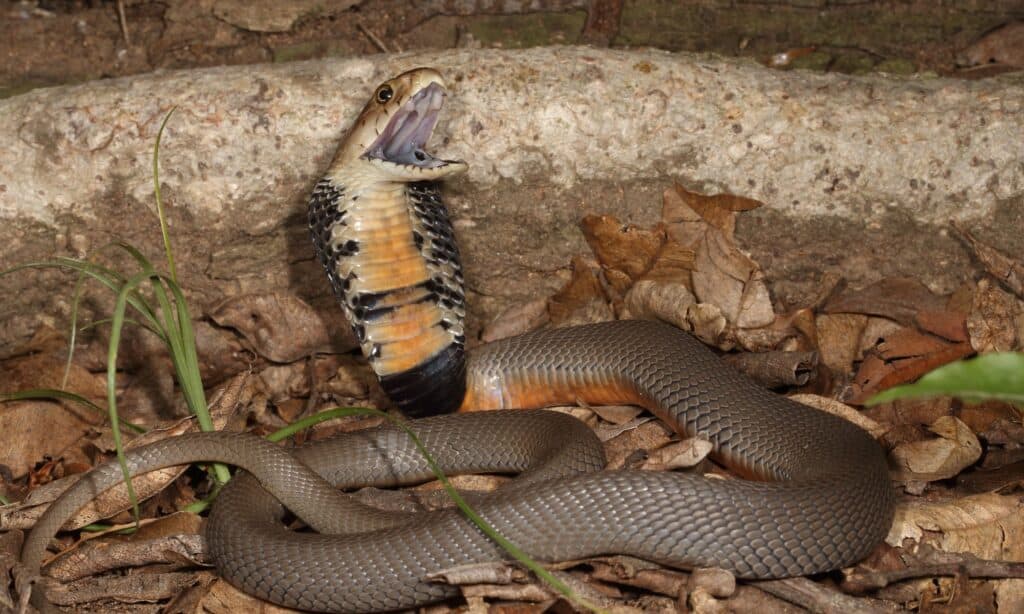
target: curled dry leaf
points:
(710, 326)
(137, 588)
(989, 526)
(776, 369)
(280, 327)
(955, 449)
(668, 302)
(722, 274)
(728, 278)
(996, 321)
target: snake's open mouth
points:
(403, 139)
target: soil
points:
(52, 42)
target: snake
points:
(813, 492)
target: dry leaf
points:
(902, 357)
(280, 327)
(726, 277)
(1006, 270)
(517, 320)
(1003, 45)
(996, 321)
(948, 324)
(896, 298)
(710, 326)
(35, 430)
(838, 339)
(617, 414)
(955, 448)
(581, 300)
(625, 248)
(679, 455)
(990, 526)
(668, 302)
(673, 264)
(717, 211)
(842, 410)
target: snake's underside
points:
(819, 497)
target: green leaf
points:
(997, 376)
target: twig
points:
(962, 564)
(818, 598)
(373, 38)
(123, 22)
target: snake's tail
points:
(224, 447)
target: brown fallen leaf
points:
(678, 455)
(776, 369)
(945, 456)
(948, 324)
(624, 447)
(280, 327)
(23, 515)
(622, 247)
(901, 358)
(996, 321)
(989, 526)
(108, 591)
(581, 300)
(896, 298)
(35, 430)
(1003, 268)
(838, 336)
(1001, 45)
(842, 410)
(517, 320)
(685, 212)
(726, 277)
(673, 264)
(652, 300)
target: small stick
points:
(373, 38)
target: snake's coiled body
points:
(827, 504)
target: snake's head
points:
(394, 127)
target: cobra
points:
(815, 497)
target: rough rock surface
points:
(859, 174)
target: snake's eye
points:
(384, 93)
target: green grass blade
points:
(73, 333)
(997, 376)
(52, 393)
(117, 325)
(159, 201)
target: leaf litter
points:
(960, 466)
